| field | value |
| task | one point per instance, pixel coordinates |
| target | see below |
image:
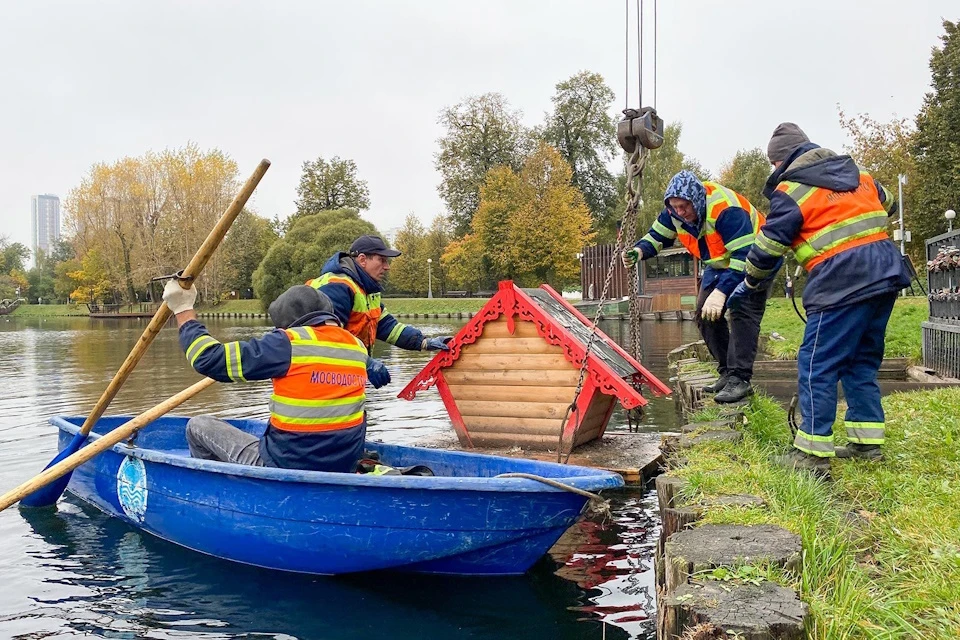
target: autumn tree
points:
(91, 281)
(747, 173)
(147, 216)
(437, 239)
(408, 271)
(480, 133)
(584, 131)
(331, 185)
(301, 253)
(246, 244)
(529, 227)
(885, 150)
(43, 275)
(937, 141)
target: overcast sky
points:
(85, 82)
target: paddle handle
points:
(102, 443)
(194, 268)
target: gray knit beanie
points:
(296, 302)
(786, 137)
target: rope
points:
(596, 503)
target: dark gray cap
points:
(786, 137)
(295, 303)
(372, 245)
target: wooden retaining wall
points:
(689, 603)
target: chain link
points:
(628, 228)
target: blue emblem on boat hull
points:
(132, 488)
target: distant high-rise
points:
(46, 223)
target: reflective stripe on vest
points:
(835, 221)
(365, 313)
(719, 198)
(324, 388)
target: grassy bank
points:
(903, 332)
(881, 550)
(47, 310)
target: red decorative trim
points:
(511, 301)
(655, 384)
(451, 405)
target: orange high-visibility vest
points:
(365, 314)
(324, 388)
(835, 221)
(719, 198)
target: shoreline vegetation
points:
(881, 557)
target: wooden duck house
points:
(512, 373)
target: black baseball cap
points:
(372, 245)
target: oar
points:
(63, 467)
(51, 493)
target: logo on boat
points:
(132, 488)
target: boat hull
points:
(463, 522)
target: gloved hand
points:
(377, 373)
(631, 257)
(436, 344)
(713, 307)
(178, 298)
(738, 295)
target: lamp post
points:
(429, 277)
(901, 180)
(950, 215)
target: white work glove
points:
(713, 307)
(178, 298)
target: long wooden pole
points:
(102, 443)
(52, 493)
(160, 318)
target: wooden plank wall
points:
(514, 390)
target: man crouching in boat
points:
(319, 372)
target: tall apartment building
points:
(46, 223)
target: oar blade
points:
(48, 495)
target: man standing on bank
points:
(352, 282)
(717, 225)
(833, 216)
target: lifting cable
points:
(638, 132)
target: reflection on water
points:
(75, 572)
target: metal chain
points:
(634, 176)
(634, 183)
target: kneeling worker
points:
(718, 226)
(319, 372)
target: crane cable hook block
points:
(640, 126)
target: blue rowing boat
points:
(463, 520)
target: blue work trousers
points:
(845, 344)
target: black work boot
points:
(797, 460)
(862, 451)
(718, 385)
(735, 391)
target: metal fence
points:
(941, 332)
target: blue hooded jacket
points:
(732, 224)
(264, 358)
(389, 329)
(851, 276)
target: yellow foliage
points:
(529, 226)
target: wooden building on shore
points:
(670, 279)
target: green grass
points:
(45, 310)
(903, 331)
(434, 305)
(881, 541)
(231, 306)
